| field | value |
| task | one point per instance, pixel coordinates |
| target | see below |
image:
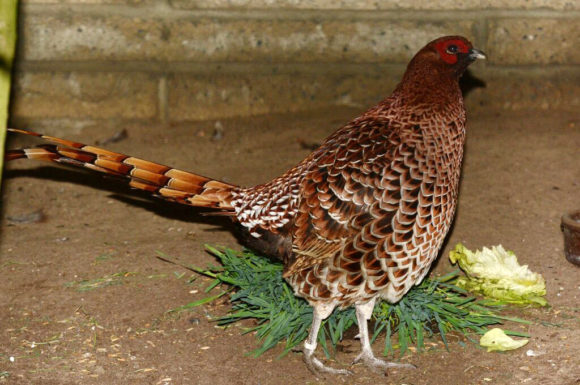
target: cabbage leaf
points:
(495, 273)
(496, 340)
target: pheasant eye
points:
(452, 49)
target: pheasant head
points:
(432, 76)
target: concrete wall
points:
(169, 61)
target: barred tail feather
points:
(163, 181)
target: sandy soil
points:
(522, 171)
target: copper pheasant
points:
(362, 217)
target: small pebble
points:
(218, 132)
(31, 217)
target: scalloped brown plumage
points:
(362, 217)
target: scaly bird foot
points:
(318, 368)
(377, 365)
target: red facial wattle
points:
(446, 54)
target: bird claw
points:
(318, 368)
(377, 365)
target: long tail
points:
(166, 182)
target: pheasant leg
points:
(363, 314)
(321, 312)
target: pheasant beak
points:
(474, 54)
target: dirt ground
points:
(521, 172)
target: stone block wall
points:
(82, 62)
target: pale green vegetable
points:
(496, 273)
(8, 13)
(496, 340)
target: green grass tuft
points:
(436, 306)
